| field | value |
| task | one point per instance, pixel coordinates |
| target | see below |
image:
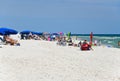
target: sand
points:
(38, 60)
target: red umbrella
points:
(91, 37)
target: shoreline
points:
(104, 41)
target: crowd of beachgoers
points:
(59, 38)
(56, 57)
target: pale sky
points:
(76, 16)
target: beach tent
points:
(7, 31)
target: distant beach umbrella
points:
(55, 34)
(26, 32)
(7, 31)
(91, 37)
(37, 33)
(61, 33)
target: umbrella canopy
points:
(28, 31)
(37, 33)
(55, 34)
(61, 33)
(7, 31)
(2, 32)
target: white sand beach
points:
(38, 60)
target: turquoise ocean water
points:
(110, 40)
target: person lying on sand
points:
(10, 41)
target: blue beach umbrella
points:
(7, 31)
(37, 33)
(2, 32)
(55, 34)
(26, 32)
